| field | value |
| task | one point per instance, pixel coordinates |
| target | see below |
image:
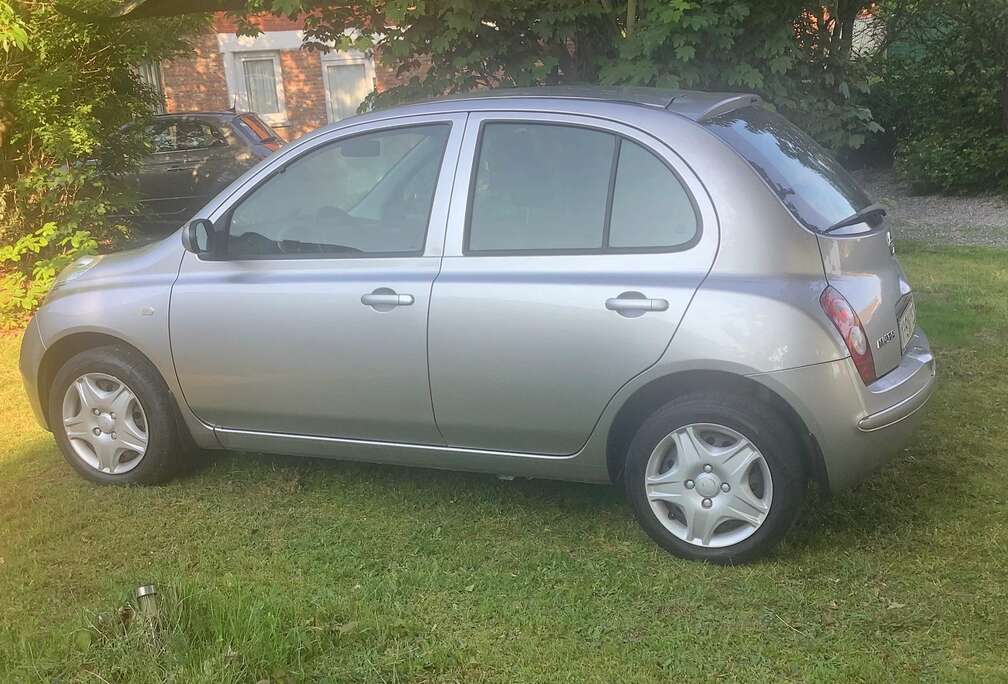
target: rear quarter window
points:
(813, 185)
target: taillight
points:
(272, 145)
(847, 322)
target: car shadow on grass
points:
(881, 508)
(447, 485)
(884, 507)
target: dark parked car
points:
(193, 156)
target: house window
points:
(150, 74)
(348, 78)
(261, 87)
(346, 85)
(256, 84)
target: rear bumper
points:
(903, 391)
(29, 362)
(858, 428)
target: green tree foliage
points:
(12, 29)
(796, 54)
(66, 87)
(943, 93)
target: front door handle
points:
(633, 304)
(386, 299)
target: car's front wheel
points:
(715, 477)
(113, 418)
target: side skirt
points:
(574, 467)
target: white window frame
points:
(150, 73)
(236, 49)
(348, 57)
(278, 118)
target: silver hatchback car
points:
(678, 291)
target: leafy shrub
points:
(66, 87)
(941, 94)
(954, 161)
(794, 53)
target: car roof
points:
(693, 104)
(696, 105)
(197, 115)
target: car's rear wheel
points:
(715, 477)
(113, 418)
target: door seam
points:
(430, 295)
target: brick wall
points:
(304, 92)
(385, 76)
(196, 83)
(199, 83)
(267, 22)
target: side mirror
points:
(198, 237)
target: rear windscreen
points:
(809, 181)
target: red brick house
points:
(292, 89)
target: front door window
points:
(369, 195)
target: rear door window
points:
(540, 188)
(813, 185)
(553, 188)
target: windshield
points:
(813, 185)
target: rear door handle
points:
(386, 299)
(633, 304)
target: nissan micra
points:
(677, 291)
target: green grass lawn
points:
(309, 570)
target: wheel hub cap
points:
(708, 485)
(105, 423)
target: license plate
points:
(907, 324)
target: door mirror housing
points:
(199, 236)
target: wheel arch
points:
(66, 347)
(648, 398)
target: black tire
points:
(165, 455)
(762, 426)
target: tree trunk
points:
(843, 29)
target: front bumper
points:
(32, 349)
(858, 428)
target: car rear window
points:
(809, 181)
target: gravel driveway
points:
(939, 219)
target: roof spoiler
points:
(729, 104)
(702, 107)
